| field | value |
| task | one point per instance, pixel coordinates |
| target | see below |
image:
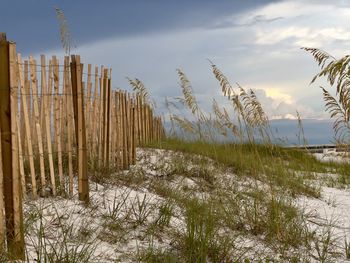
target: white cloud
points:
(294, 8)
(317, 23)
(267, 37)
(277, 94)
(302, 36)
(279, 105)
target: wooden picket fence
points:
(63, 121)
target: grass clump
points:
(165, 212)
(61, 240)
(200, 239)
(158, 255)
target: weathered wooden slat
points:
(28, 130)
(69, 112)
(58, 140)
(47, 121)
(78, 102)
(34, 85)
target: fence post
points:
(79, 119)
(94, 134)
(47, 122)
(69, 118)
(9, 149)
(2, 205)
(119, 130)
(125, 131)
(57, 121)
(108, 119)
(28, 130)
(104, 118)
(133, 133)
(36, 111)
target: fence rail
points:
(62, 120)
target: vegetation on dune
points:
(286, 174)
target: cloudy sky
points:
(255, 43)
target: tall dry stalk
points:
(336, 72)
(65, 35)
(223, 121)
(138, 86)
(340, 114)
(250, 114)
(189, 100)
(301, 134)
(231, 95)
(255, 115)
(140, 89)
(169, 104)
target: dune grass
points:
(288, 169)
